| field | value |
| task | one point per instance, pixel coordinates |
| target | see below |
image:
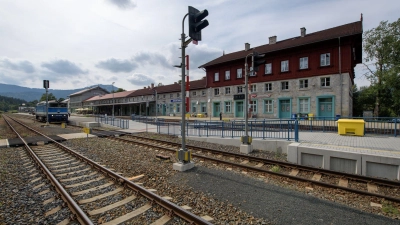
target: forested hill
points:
(8, 103)
(31, 94)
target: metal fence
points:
(373, 125)
(117, 122)
(277, 129)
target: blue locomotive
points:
(58, 112)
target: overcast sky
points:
(80, 43)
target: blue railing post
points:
(263, 130)
(312, 118)
(395, 127)
(187, 128)
(222, 132)
(207, 128)
(251, 128)
(232, 128)
(296, 132)
(323, 124)
(288, 130)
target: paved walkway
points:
(381, 145)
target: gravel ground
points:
(230, 197)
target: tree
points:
(118, 90)
(50, 97)
(382, 48)
(60, 99)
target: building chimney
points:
(144, 87)
(246, 46)
(272, 40)
(152, 85)
(303, 31)
(175, 82)
(148, 87)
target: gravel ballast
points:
(230, 197)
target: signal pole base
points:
(183, 166)
(246, 148)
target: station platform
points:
(368, 155)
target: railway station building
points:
(306, 75)
(77, 99)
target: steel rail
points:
(171, 207)
(72, 205)
(380, 181)
(269, 172)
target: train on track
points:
(57, 112)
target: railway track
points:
(367, 186)
(96, 194)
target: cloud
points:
(64, 67)
(116, 65)
(140, 80)
(24, 66)
(152, 59)
(123, 4)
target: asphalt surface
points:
(274, 203)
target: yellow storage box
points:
(351, 127)
(310, 116)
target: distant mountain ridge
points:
(31, 94)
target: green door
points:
(164, 110)
(325, 108)
(239, 109)
(284, 109)
(217, 109)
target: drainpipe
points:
(341, 85)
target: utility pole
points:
(246, 146)
(196, 24)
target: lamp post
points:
(113, 100)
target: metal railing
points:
(373, 125)
(116, 122)
(277, 129)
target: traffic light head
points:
(257, 60)
(196, 22)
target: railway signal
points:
(257, 61)
(196, 24)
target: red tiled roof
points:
(328, 34)
(196, 84)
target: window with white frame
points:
(178, 107)
(178, 95)
(171, 95)
(304, 63)
(253, 106)
(303, 105)
(268, 68)
(227, 75)
(253, 88)
(203, 107)
(239, 89)
(216, 77)
(268, 107)
(285, 85)
(268, 86)
(194, 93)
(227, 107)
(325, 59)
(203, 93)
(171, 108)
(227, 90)
(163, 96)
(216, 91)
(325, 82)
(285, 66)
(303, 83)
(239, 73)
